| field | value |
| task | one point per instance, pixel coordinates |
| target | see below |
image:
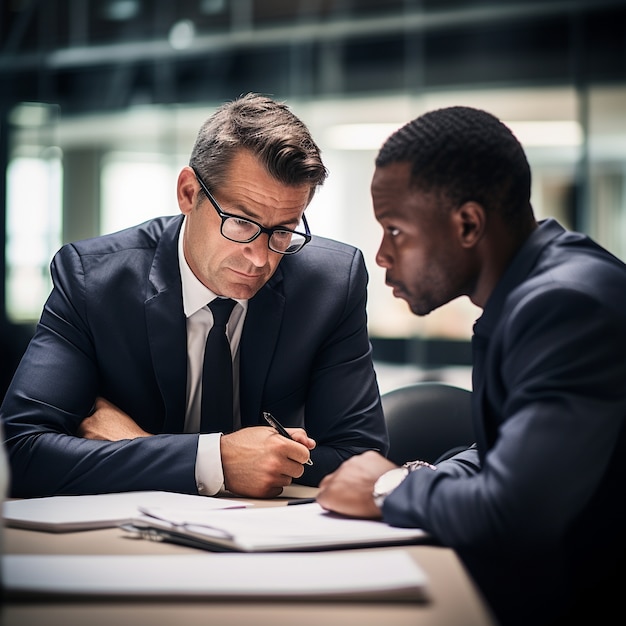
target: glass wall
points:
(34, 196)
(135, 188)
(578, 161)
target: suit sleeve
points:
(556, 387)
(53, 390)
(343, 408)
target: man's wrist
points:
(391, 480)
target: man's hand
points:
(348, 490)
(258, 462)
(108, 423)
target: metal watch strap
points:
(381, 491)
(415, 465)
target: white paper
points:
(375, 574)
(69, 513)
(278, 528)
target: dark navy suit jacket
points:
(537, 510)
(114, 326)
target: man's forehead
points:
(396, 173)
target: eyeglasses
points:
(242, 230)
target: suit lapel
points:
(479, 402)
(258, 343)
(167, 329)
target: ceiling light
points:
(211, 7)
(181, 34)
(30, 114)
(547, 133)
(359, 136)
(530, 134)
(120, 10)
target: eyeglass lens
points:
(243, 231)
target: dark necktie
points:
(217, 373)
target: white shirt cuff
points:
(209, 472)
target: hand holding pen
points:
(280, 429)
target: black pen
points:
(278, 427)
(302, 501)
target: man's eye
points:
(393, 231)
(283, 235)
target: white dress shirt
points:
(209, 473)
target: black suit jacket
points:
(114, 326)
(538, 509)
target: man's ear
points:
(186, 190)
(470, 219)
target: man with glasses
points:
(108, 396)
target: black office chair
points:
(427, 420)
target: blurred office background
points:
(100, 102)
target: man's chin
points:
(243, 287)
(398, 292)
(243, 290)
(418, 310)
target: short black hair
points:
(464, 154)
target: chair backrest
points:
(426, 420)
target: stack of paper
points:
(268, 529)
(69, 513)
(376, 575)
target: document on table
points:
(267, 529)
(375, 575)
(70, 513)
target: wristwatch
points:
(390, 480)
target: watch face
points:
(390, 480)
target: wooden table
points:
(455, 600)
